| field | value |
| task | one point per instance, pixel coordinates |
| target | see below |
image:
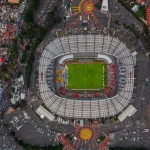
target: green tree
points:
(12, 20)
(51, 14)
(98, 5)
(116, 21)
(28, 18)
(57, 19)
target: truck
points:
(146, 130)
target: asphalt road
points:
(125, 137)
(120, 13)
(7, 142)
(40, 16)
(140, 100)
(30, 131)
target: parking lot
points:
(27, 129)
(7, 142)
(134, 135)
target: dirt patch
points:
(77, 62)
(10, 110)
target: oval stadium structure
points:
(86, 76)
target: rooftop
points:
(13, 1)
(148, 16)
(140, 1)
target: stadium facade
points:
(113, 99)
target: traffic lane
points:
(141, 112)
(127, 16)
(41, 13)
(42, 5)
(124, 17)
(141, 97)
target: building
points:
(13, 1)
(104, 104)
(135, 8)
(104, 8)
(1, 60)
(18, 90)
(148, 16)
(3, 51)
(141, 2)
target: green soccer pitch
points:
(87, 76)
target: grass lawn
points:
(141, 12)
(87, 76)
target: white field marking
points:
(103, 75)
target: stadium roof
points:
(105, 57)
(13, 1)
(65, 57)
(81, 45)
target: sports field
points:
(87, 76)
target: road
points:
(141, 92)
(40, 16)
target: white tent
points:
(44, 113)
(129, 111)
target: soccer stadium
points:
(86, 76)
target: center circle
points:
(89, 7)
(85, 133)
